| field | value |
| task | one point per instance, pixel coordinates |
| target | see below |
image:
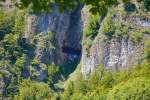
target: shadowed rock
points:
(69, 50)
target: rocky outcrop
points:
(54, 32)
(137, 21)
(115, 53)
(7, 5)
(66, 28)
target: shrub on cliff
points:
(92, 27)
(129, 7)
(147, 49)
(147, 4)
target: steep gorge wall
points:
(66, 28)
(115, 53)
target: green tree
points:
(133, 89)
(6, 22)
(99, 6)
(32, 90)
(10, 40)
(53, 71)
(93, 26)
(12, 49)
(21, 62)
(19, 26)
(69, 90)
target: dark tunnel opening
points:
(70, 65)
(72, 51)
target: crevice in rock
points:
(72, 51)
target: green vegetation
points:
(32, 90)
(147, 50)
(20, 62)
(35, 62)
(6, 23)
(53, 73)
(19, 26)
(93, 26)
(24, 76)
(115, 27)
(136, 36)
(107, 27)
(103, 85)
(133, 89)
(91, 30)
(147, 4)
(98, 6)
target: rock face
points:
(65, 32)
(7, 5)
(66, 28)
(114, 54)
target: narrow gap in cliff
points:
(74, 55)
(70, 50)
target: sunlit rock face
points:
(7, 5)
(66, 28)
(137, 21)
(114, 54)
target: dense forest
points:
(75, 50)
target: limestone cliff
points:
(66, 29)
(57, 38)
(117, 45)
(115, 51)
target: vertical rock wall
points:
(115, 53)
(66, 28)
